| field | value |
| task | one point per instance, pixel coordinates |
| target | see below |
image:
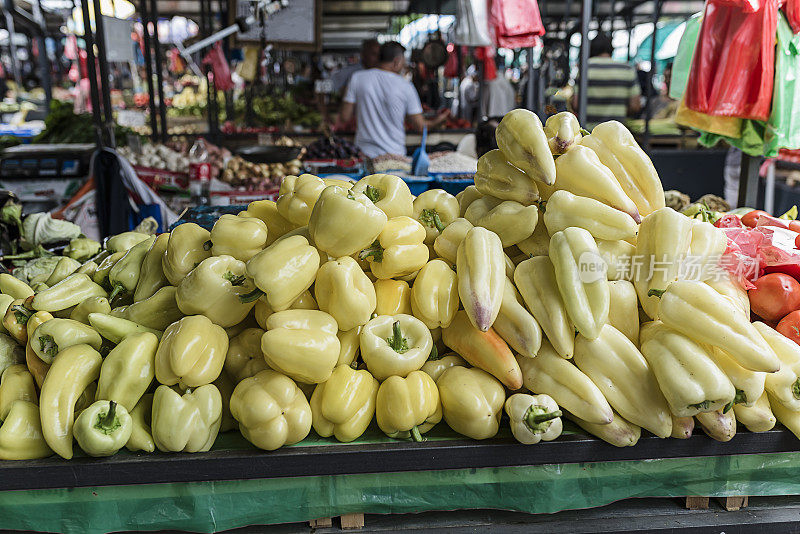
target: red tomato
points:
(797, 241)
(774, 296)
(790, 326)
(751, 217)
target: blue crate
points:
(450, 183)
(418, 184)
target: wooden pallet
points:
(347, 522)
(730, 504)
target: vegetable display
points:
(510, 306)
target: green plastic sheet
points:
(214, 506)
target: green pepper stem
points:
(376, 251)
(21, 314)
(434, 355)
(108, 423)
(538, 418)
(48, 345)
(373, 193)
(585, 132)
(542, 205)
(728, 407)
(118, 288)
(252, 296)
(430, 217)
(740, 398)
(233, 279)
(415, 434)
(207, 245)
(656, 292)
(397, 342)
(796, 389)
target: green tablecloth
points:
(214, 506)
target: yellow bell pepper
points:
(187, 246)
(115, 329)
(552, 375)
(128, 370)
(302, 344)
(156, 312)
(267, 211)
(733, 291)
(618, 256)
(788, 418)
(435, 209)
(521, 137)
(151, 275)
(297, 197)
(16, 383)
(447, 242)
(188, 422)
(343, 406)
(69, 292)
(563, 132)
(618, 150)
(408, 407)
(191, 353)
(480, 265)
(682, 427)
(89, 268)
(472, 401)
(81, 312)
(283, 271)
(686, 373)
(498, 178)
(70, 374)
(706, 247)
(584, 292)
(215, 289)
(240, 237)
(510, 220)
(271, 410)
(623, 309)
(515, 325)
(393, 296)
(14, 287)
(65, 267)
(621, 372)
(783, 385)
(103, 428)
(262, 310)
(5, 303)
(35, 364)
(604, 222)
(395, 345)
(53, 336)
(534, 418)
(399, 249)
(344, 221)
(719, 425)
(466, 197)
(619, 432)
(756, 418)
(389, 193)
(100, 275)
(697, 311)
(538, 244)
(436, 365)
(581, 173)
(349, 345)
(141, 435)
(21, 435)
(81, 248)
(124, 241)
(344, 291)
(16, 318)
(434, 297)
(244, 357)
(749, 385)
(124, 275)
(662, 244)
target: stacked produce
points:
(340, 304)
(332, 147)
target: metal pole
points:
(12, 48)
(531, 91)
(583, 76)
(748, 180)
(629, 25)
(44, 60)
(91, 67)
(105, 92)
(648, 111)
(769, 188)
(148, 68)
(162, 109)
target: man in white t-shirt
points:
(382, 100)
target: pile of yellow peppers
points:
(342, 304)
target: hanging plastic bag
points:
(724, 126)
(682, 63)
(784, 123)
(222, 71)
(733, 67)
(471, 23)
(516, 23)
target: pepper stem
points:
(118, 288)
(728, 407)
(537, 418)
(415, 434)
(48, 345)
(430, 217)
(796, 389)
(397, 342)
(373, 193)
(740, 398)
(233, 279)
(434, 355)
(252, 296)
(656, 292)
(376, 251)
(109, 422)
(21, 314)
(207, 245)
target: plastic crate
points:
(452, 183)
(418, 184)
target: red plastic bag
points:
(792, 11)
(516, 23)
(451, 65)
(733, 67)
(220, 67)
